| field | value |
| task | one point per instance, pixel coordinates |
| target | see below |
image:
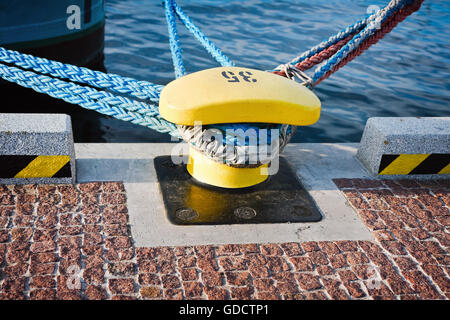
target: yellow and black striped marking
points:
(28, 166)
(435, 163)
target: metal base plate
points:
(281, 198)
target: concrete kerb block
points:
(406, 147)
(36, 148)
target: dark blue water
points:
(405, 75)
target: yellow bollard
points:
(235, 95)
(222, 175)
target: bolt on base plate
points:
(281, 198)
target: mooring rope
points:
(387, 27)
(350, 30)
(89, 98)
(357, 41)
(210, 46)
(112, 82)
(337, 47)
(173, 11)
(135, 101)
(174, 42)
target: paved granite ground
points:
(74, 242)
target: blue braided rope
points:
(174, 43)
(210, 46)
(358, 26)
(103, 102)
(111, 82)
(368, 31)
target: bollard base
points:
(279, 199)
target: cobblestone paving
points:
(74, 242)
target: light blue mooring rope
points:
(174, 43)
(173, 10)
(112, 82)
(103, 102)
(210, 46)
